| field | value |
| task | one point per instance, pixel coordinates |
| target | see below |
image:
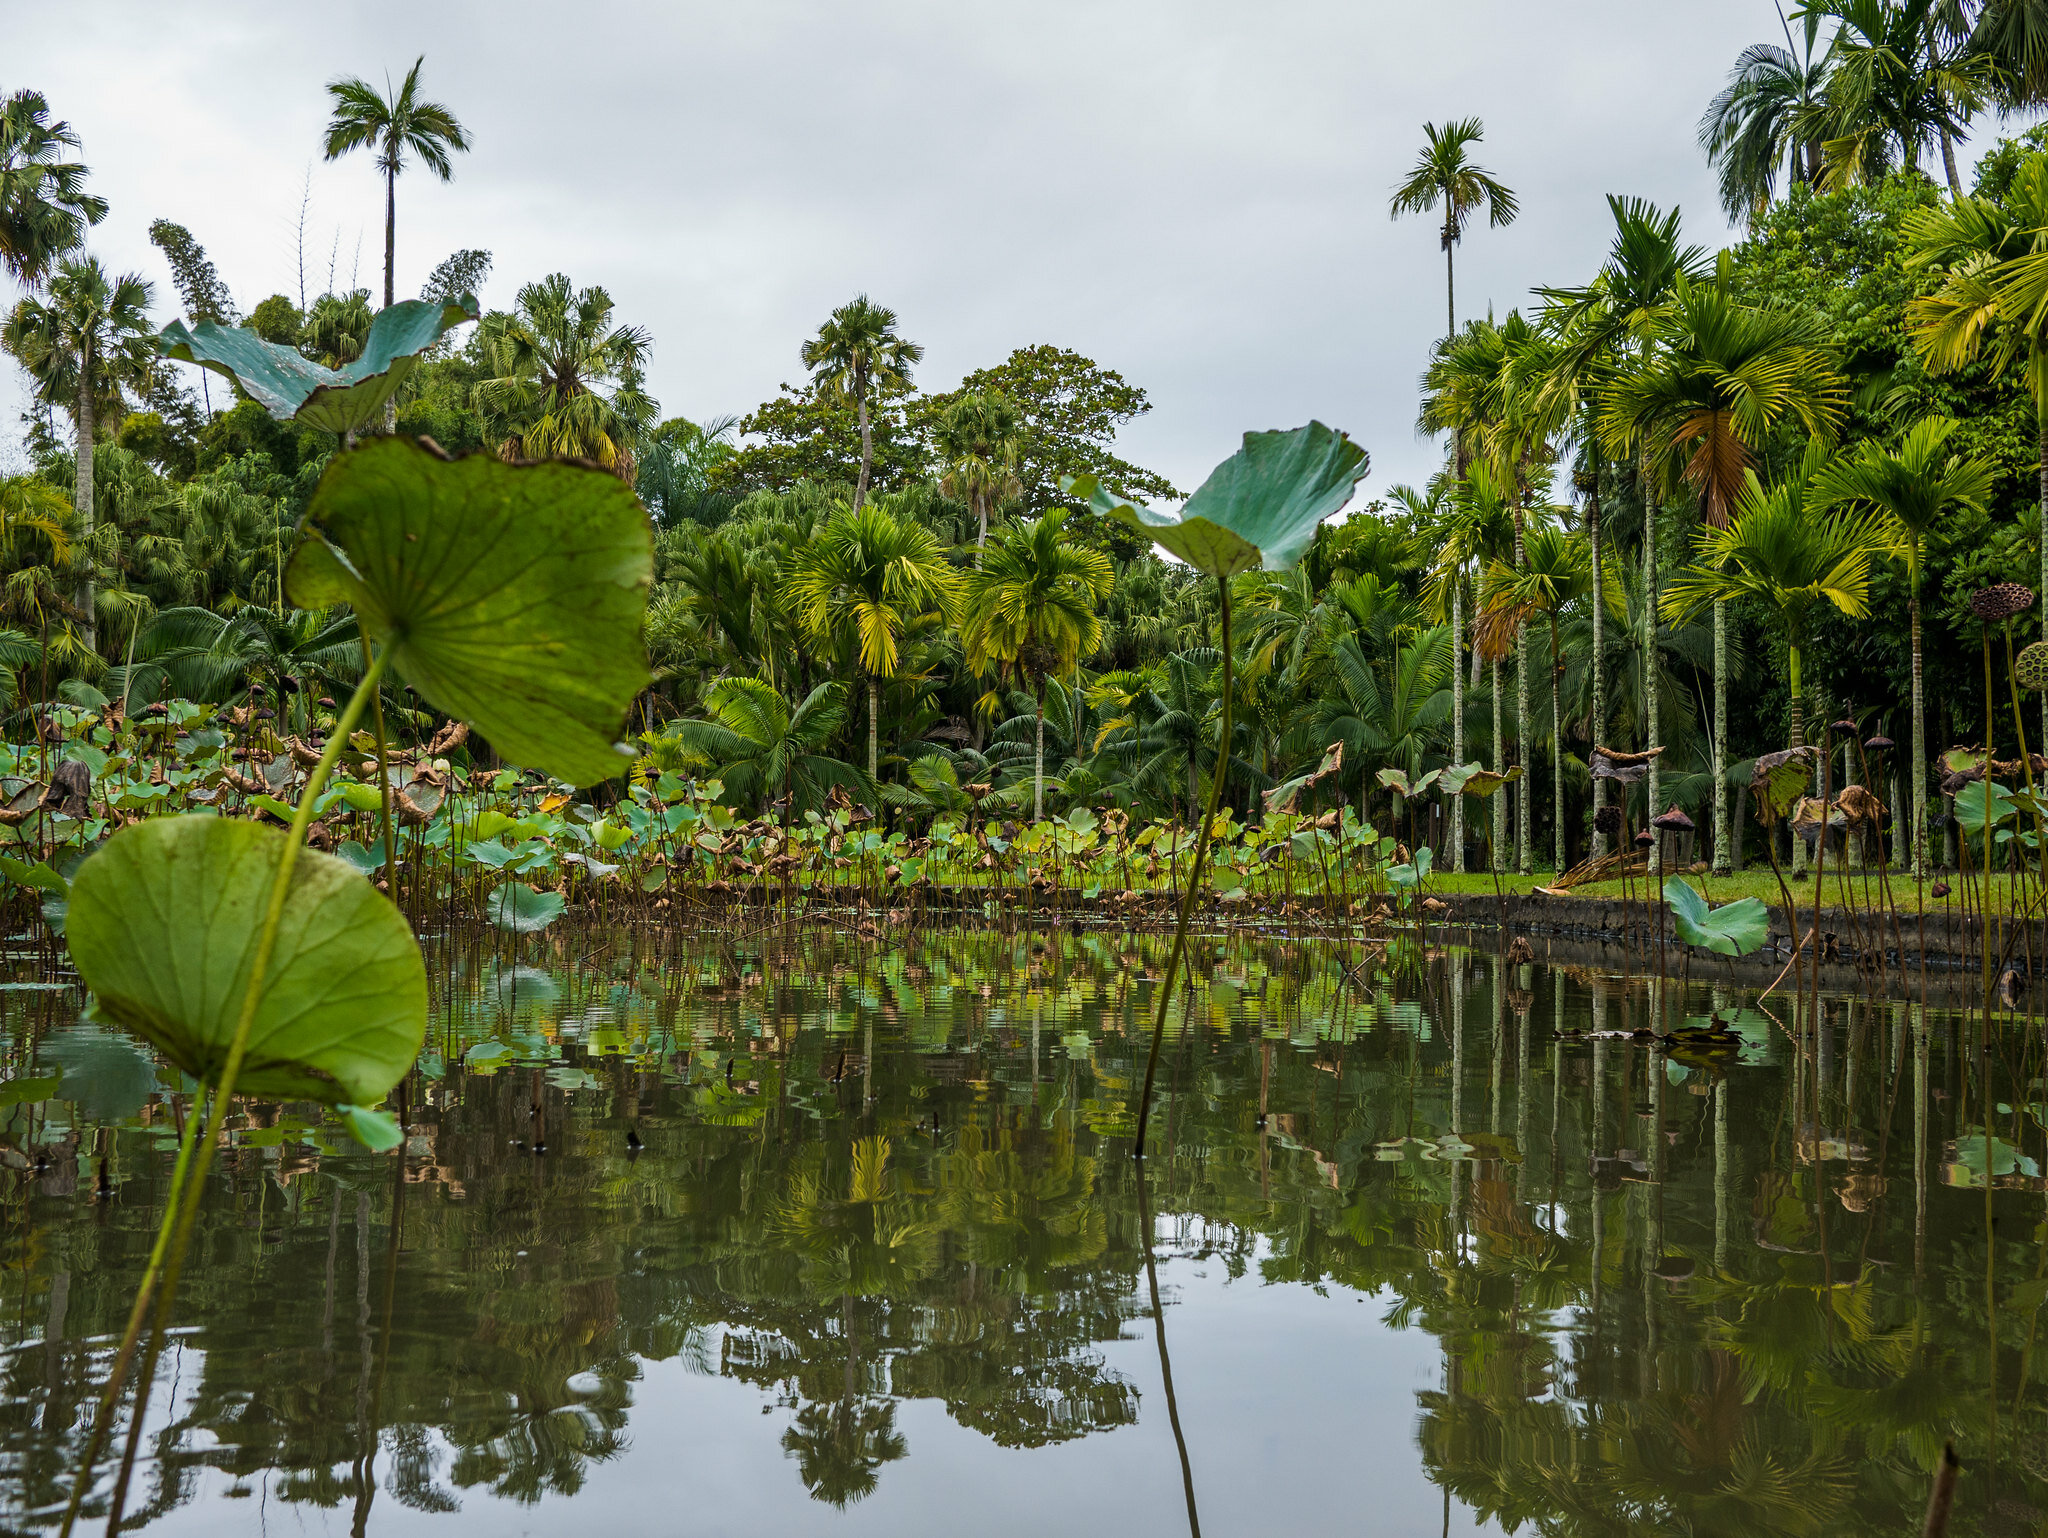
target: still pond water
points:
(811, 1234)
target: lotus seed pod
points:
(2031, 666)
(2001, 601)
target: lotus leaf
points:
(519, 908)
(163, 928)
(1480, 784)
(511, 596)
(1733, 929)
(1779, 780)
(1261, 506)
(293, 388)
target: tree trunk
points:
(1038, 769)
(1524, 801)
(1557, 864)
(390, 290)
(867, 443)
(1721, 858)
(1919, 822)
(2041, 442)
(1948, 164)
(1598, 729)
(82, 441)
(1652, 731)
(1450, 287)
(1500, 766)
(874, 728)
(981, 540)
(1798, 741)
(1457, 716)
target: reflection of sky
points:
(1287, 1399)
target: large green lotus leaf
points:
(164, 922)
(1733, 929)
(293, 388)
(1261, 506)
(511, 596)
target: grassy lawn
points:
(1839, 893)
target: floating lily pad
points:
(511, 596)
(163, 928)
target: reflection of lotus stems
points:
(111, 1394)
(182, 1204)
(1194, 882)
(1187, 1475)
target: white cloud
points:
(1193, 193)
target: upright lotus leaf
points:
(1261, 506)
(293, 388)
(163, 928)
(1281, 798)
(511, 596)
(1779, 780)
(1733, 929)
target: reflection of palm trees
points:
(838, 1447)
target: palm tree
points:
(337, 328)
(1556, 574)
(1477, 531)
(1898, 81)
(44, 207)
(392, 126)
(1721, 380)
(855, 352)
(762, 744)
(1777, 551)
(84, 345)
(868, 576)
(978, 438)
(202, 655)
(31, 505)
(1387, 716)
(1031, 608)
(1601, 326)
(1767, 116)
(1916, 488)
(566, 382)
(1990, 266)
(1442, 176)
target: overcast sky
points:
(1192, 193)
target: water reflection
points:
(1744, 1280)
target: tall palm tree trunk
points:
(1798, 741)
(1523, 801)
(1598, 729)
(1450, 284)
(867, 443)
(1919, 834)
(1457, 716)
(390, 288)
(874, 727)
(1948, 164)
(1723, 850)
(1500, 766)
(82, 423)
(1038, 768)
(1652, 731)
(1556, 759)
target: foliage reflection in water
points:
(752, 1224)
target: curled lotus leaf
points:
(163, 927)
(293, 388)
(1622, 768)
(511, 596)
(1778, 781)
(1260, 507)
(1281, 798)
(1965, 761)
(1397, 781)
(1480, 784)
